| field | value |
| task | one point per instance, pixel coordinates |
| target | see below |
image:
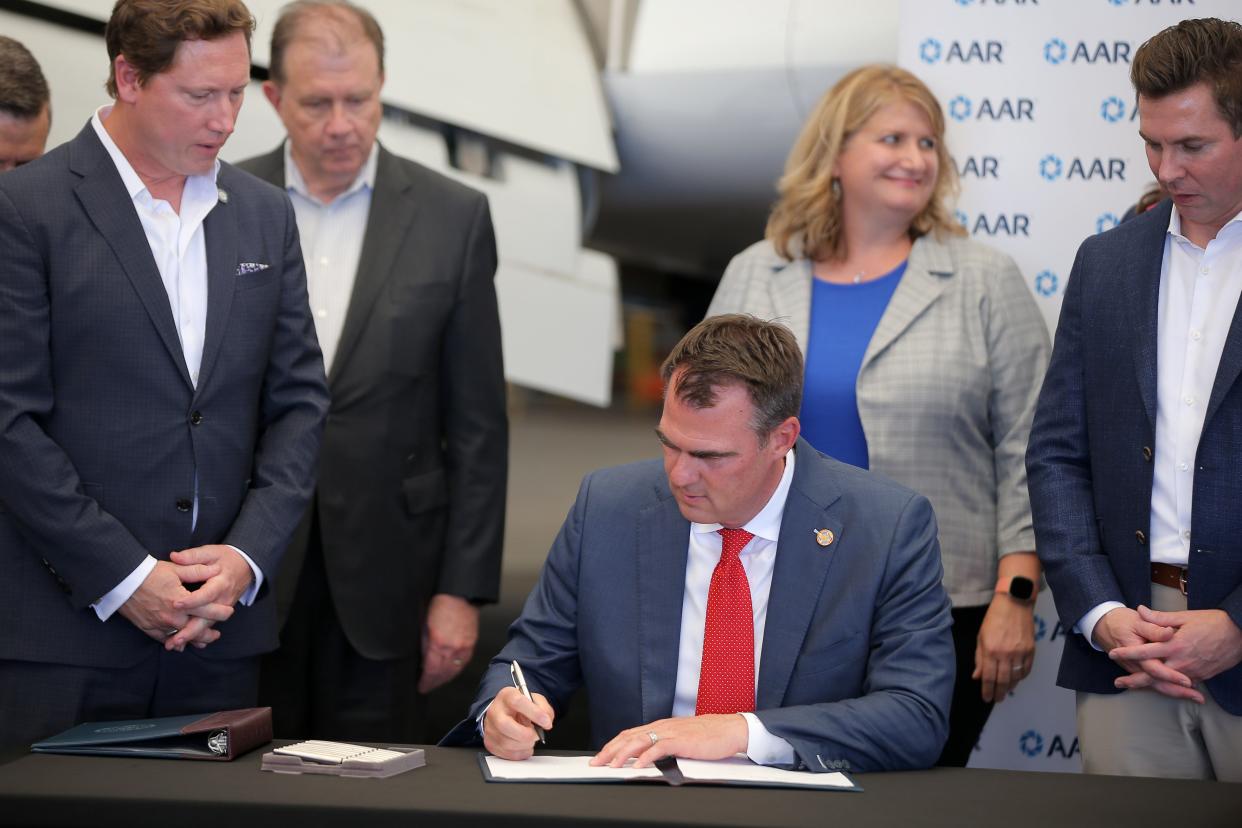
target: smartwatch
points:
(1020, 589)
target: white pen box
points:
(340, 759)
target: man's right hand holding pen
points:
(509, 725)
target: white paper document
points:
(740, 771)
(564, 768)
(737, 770)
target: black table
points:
(450, 791)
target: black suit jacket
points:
(103, 435)
(412, 475)
(1092, 443)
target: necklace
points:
(858, 277)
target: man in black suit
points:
(403, 540)
(161, 389)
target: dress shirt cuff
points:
(1086, 625)
(479, 721)
(762, 747)
(247, 597)
(119, 594)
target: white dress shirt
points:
(180, 252)
(1199, 291)
(758, 558)
(332, 236)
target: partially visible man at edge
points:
(161, 393)
(25, 106)
(1134, 457)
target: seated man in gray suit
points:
(751, 596)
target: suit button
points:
(1141, 537)
(196, 418)
(1147, 453)
(184, 504)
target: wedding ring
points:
(457, 662)
(1017, 668)
(171, 633)
(653, 736)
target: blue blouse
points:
(843, 319)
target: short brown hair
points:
(806, 220)
(1207, 50)
(23, 89)
(739, 349)
(341, 12)
(148, 32)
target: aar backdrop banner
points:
(1043, 128)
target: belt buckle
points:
(1181, 579)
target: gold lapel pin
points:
(824, 537)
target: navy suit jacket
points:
(103, 435)
(1089, 460)
(856, 669)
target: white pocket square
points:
(251, 267)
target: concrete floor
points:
(553, 444)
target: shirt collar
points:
(365, 178)
(195, 185)
(766, 524)
(1175, 225)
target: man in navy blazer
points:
(852, 657)
(161, 392)
(1133, 461)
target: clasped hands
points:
(507, 733)
(1169, 651)
(164, 609)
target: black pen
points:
(519, 681)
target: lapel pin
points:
(824, 537)
(224, 196)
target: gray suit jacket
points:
(412, 475)
(103, 435)
(946, 389)
(856, 668)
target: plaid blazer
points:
(946, 389)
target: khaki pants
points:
(1144, 733)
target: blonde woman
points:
(924, 354)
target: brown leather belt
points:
(1169, 575)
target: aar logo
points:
(961, 108)
(1106, 221)
(1050, 168)
(1088, 169)
(996, 224)
(1031, 743)
(979, 166)
(1046, 283)
(959, 51)
(1055, 51)
(1113, 109)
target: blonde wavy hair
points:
(807, 220)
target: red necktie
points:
(727, 675)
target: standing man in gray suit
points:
(161, 392)
(403, 540)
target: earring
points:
(836, 189)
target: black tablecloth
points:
(450, 791)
